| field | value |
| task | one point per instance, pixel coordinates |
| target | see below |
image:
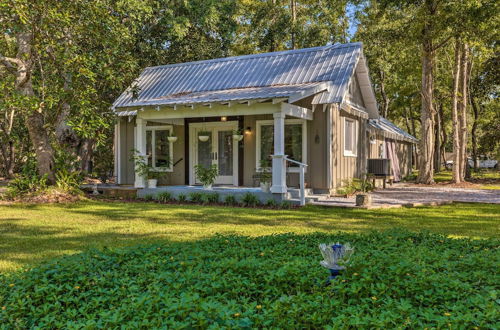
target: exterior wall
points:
(316, 152)
(177, 176)
(126, 172)
(354, 94)
(347, 167)
(404, 151)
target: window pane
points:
(149, 147)
(205, 151)
(348, 143)
(162, 149)
(225, 152)
(293, 142)
(266, 143)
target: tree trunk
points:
(437, 141)
(427, 113)
(456, 177)
(462, 111)
(293, 8)
(34, 120)
(473, 132)
(383, 94)
(444, 135)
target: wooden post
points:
(140, 146)
(279, 169)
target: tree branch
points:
(9, 62)
(442, 43)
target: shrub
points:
(165, 197)
(286, 205)
(196, 197)
(250, 199)
(206, 175)
(182, 198)
(230, 200)
(271, 203)
(212, 198)
(25, 183)
(396, 279)
(69, 181)
(148, 197)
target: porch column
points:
(140, 146)
(279, 168)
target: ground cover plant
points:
(397, 279)
(33, 233)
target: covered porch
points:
(177, 138)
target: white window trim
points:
(354, 152)
(260, 123)
(153, 129)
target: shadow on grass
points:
(30, 234)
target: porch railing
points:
(302, 168)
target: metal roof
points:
(253, 76)
(391, 130)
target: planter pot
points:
(237, 137)
(207, 186)
(363, 200)
(172, 138)
(265, 186)
(203, 138)
(152, 183)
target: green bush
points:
(286, 205)
(230, 200)
(271, 203)
(182, 198)
(69, 181)
(250, 199)
(149, 197)
(212, 198)
(165, 197)
(196, 197)
(396, 280)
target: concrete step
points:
(295, 192)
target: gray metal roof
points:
(251, 76)
(392, 131)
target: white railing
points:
(302, 168)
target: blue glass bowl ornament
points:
(335, 258)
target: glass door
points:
(215, 147)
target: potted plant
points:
(171, 136)
(203, 136)
(265, 176)
(238, 134)
(364, 198)
(207, 175)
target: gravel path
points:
(399, 195)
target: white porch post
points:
(140, 146)
(279, 168)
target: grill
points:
(379, 166)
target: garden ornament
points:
(335, 257)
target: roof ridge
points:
(251, 56)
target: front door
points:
(218, 149)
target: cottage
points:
(311, 112)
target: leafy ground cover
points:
(30, 234)
(397, 279)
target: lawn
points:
(30, 234)
(486, 178)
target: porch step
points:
(293, 196)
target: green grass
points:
(30, 234)
(488, 179)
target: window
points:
(295, 142)
(159, 150)
(350, 137)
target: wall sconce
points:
(248, 130)
(223, 118)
